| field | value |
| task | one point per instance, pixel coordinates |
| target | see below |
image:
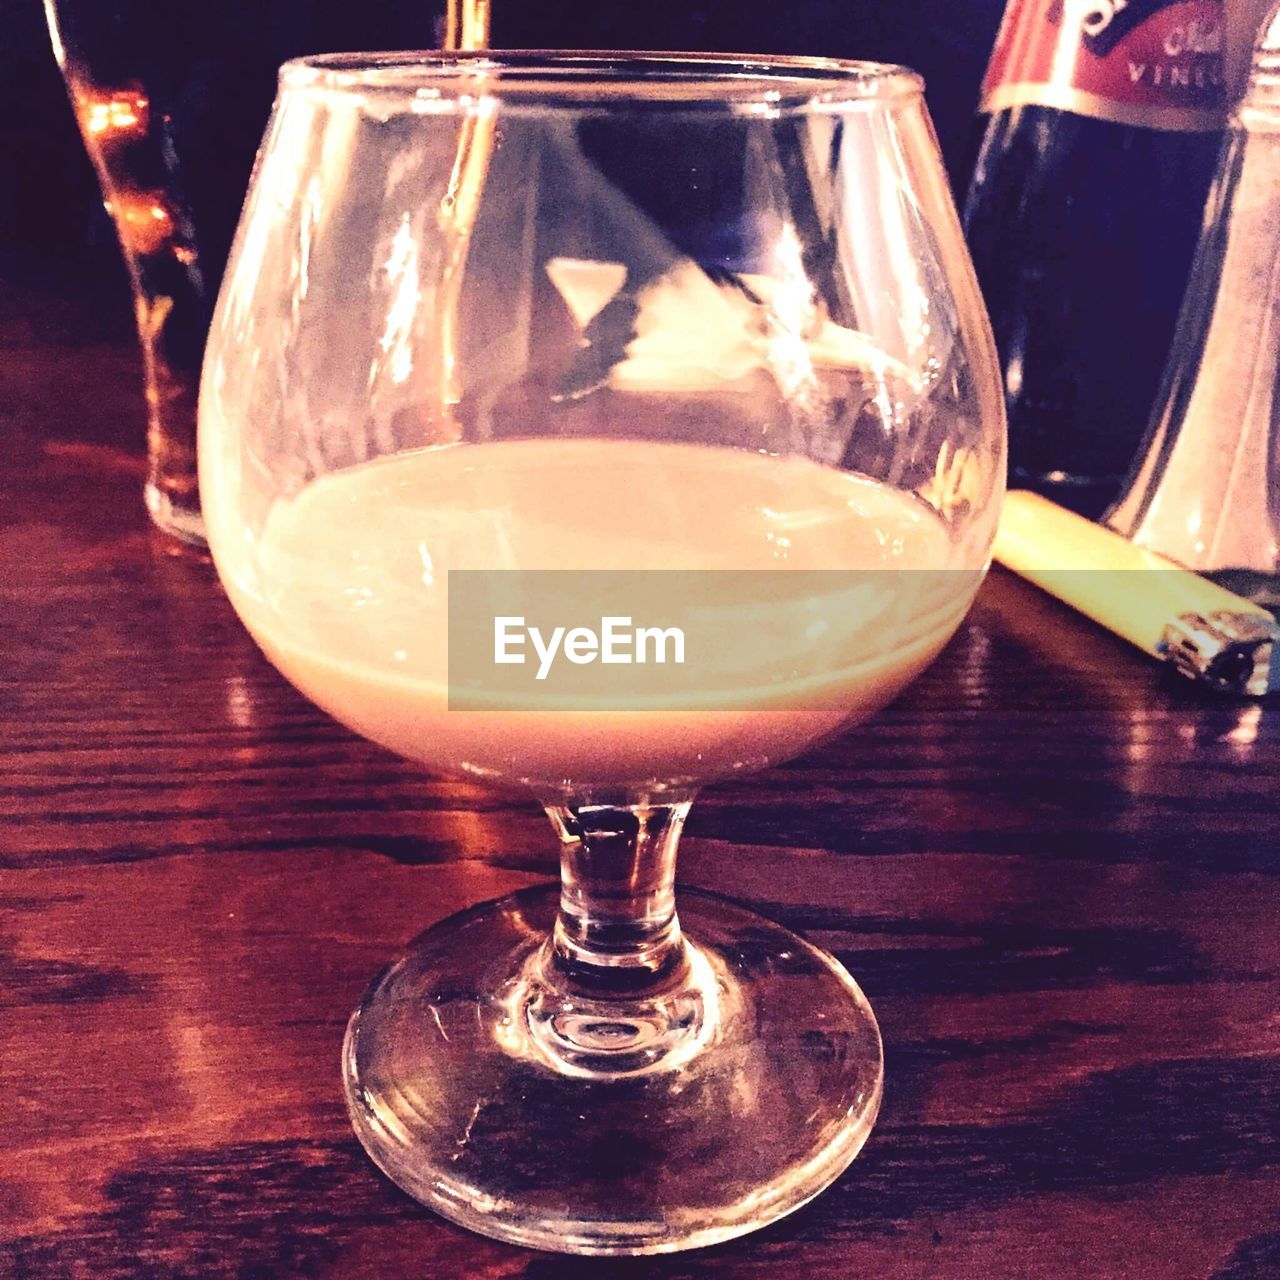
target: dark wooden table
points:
(1053, 871)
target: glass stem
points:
(617, 929)
(616, 992)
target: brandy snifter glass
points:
(631, 339)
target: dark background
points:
(52, 228)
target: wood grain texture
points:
(1053, 870)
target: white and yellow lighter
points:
(1207, 632)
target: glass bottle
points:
(1206, 490)
(1102, 123)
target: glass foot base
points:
(178, 521)
(546, 1120)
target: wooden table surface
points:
(1053, 870)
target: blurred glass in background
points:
(171, 109)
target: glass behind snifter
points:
(172, 101)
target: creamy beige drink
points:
(346, 590)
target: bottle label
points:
(1154, 63)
